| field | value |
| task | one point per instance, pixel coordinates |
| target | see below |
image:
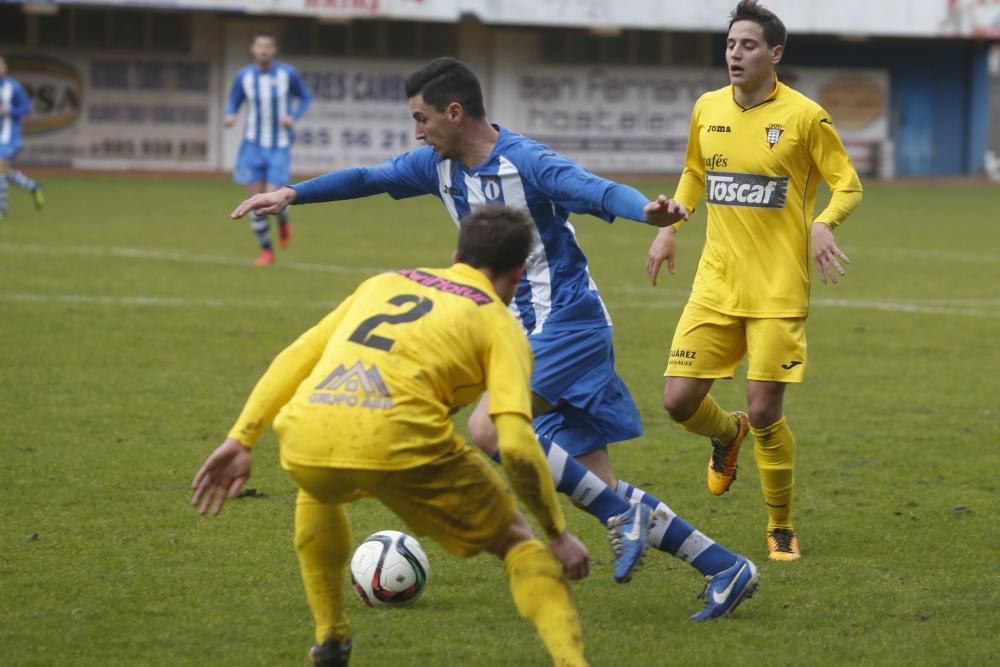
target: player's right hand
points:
(229, 121)
(266, 203)
(222, 476)
(662, 249)
(573, 555)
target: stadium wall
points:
(106, 98)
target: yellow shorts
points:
(459, 501)
(709, 344)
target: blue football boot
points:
(627, 534)
(724, 591)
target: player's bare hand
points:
(826, 254)
(573, 555)
(229, 121)
(222, 476)
(266, 203)
(661, 250)
(663, 211)
(287, 122)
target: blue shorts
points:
(575, 372)
(8, 151)
(262, 165)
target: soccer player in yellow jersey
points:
(361, 404)
(756, 152)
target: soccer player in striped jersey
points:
(276, 98)
(580, 403)
(756, 152)
(14, 105)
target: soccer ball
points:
(389, 569)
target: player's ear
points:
(455, 258)
(454, 111)
(776, 53)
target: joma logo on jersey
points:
(353, 387)
(719, 128)
(752, 190)
(716, 161)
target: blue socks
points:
(572, 478)
(679, 538)
(262, 230)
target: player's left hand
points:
(827, 254)
(287, 122)
(222, 476)
(661, 250)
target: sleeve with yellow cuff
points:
(278, 384)
(528, 472)
(834, 164)
(508, 381)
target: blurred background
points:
(913, 85)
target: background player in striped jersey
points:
(14, 104)
(751, 291)
(276, 98)
(580, 403)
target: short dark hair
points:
(770, 24)
(446, 80)
(263, 34)
(495, 237)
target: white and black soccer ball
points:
(389, 569)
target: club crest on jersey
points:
(774, 132)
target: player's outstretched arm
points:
(661, 250)
(221, 476)
(266, 203)
(826, 254)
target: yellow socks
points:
(543, 597)
(774, 451)
(323, 544)
(712, 421)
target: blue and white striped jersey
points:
(269, 97)
(557, 291)
(14, 103)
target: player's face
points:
(263, 50)
(437, 129)
(751, 63)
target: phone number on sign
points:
(384, 139)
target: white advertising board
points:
(634, 119)
(121, 111)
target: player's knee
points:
(678, 406)
(763, 415)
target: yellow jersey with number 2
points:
(378, 378)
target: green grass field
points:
(134, 324)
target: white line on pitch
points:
(97, 299)
(179, 257)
